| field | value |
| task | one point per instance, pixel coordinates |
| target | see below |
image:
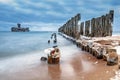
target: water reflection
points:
(54, 71)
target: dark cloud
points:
(53, 11)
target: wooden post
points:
(82, 28)
(93, 27)
(87, 28)
(111, 18)
(103, 26)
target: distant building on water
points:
(19, 29)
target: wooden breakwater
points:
(96, 27)
(93, 36)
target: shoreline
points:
(112, 41)
(77, 66)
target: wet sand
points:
(78, 66)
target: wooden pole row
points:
(96, 27)
(71, 26)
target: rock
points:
(119, 66)
(43, 59)
(48, 41)
(112, 58)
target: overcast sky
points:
(49, 15)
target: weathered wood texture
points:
(70, 28)
(96, 27)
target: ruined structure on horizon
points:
(96, 27)
(19, 29)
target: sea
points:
(20, 50)
(22, 43)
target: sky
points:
(49, 15)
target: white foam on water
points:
(68, 51)
(17, 63)
(32, 57)
(86, 66)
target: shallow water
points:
(23, 50)
(13, 43)
(26, 64)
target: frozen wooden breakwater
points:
(94, 36)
